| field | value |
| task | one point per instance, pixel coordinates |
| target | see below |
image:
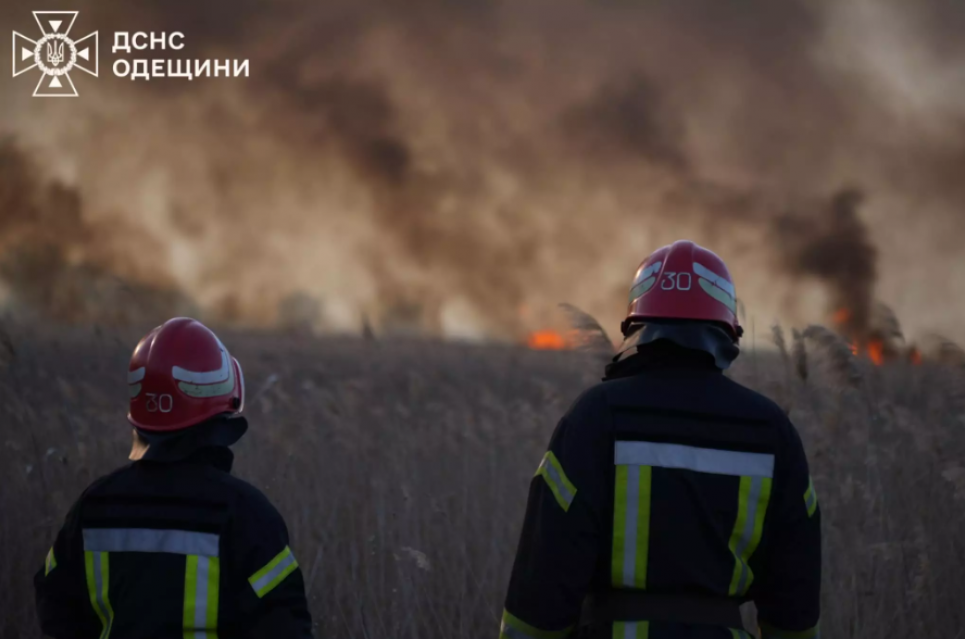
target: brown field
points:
(402, 469)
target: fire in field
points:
(416, 224)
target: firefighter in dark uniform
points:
(172, 545)
(670, 495)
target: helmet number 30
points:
(676, 281)
(159, 403)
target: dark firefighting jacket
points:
(669, 480)
(173, 549)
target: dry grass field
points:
(402, 468)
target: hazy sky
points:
(469, 164)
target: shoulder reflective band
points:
(770, 632)
(739, 634)
(178, 542)
(274, 572)
(515, 628)
(810, 498)
(201, 582)
(631, 630)
(98, 584)
(754, 494)
(631, 527)
(552, 471)
(50, 563)
(701, 460)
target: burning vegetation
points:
(547, 340)
(880, 340)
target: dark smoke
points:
(629, 120)
(58, 265)
(833, 245)
(461, 167)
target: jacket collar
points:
(195, 443)
(661, 355)
(690, 335)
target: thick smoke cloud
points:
(56, 263)
(461, 167)
(832, 244)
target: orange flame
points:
(841, 316)
(914, 356)
(546, 340)
(874, 348)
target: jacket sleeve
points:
(788, 595)
(64, 608)
(559, 545)
(273, 602)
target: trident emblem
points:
(55, 53)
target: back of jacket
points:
(173, 549)
(669, 478)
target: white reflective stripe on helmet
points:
(719, 280)
(653, 269)
(205, 377)
(210, 390)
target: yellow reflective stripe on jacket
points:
(552, 472)
(739, 634)
(631, 526)
(201, 592)
(98, 584)
(811, 498)
(753, 497)
(515, 628)
(631, 630)
(50, 562)
(770, 632)
(274, 572)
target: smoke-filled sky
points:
(466, 165)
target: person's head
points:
(180, 376)
(683, 293)
(683, 281)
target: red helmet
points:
(181, 375)
(684, 281)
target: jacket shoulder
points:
(242, 497)
(251, 500)
(589, 406)
(104, 483)
(764, 406)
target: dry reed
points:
(402, 470)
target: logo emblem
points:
(55, 54)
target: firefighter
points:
(670, 495)
(172, 545)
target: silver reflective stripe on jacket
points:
(178, 542)
(701, 460)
